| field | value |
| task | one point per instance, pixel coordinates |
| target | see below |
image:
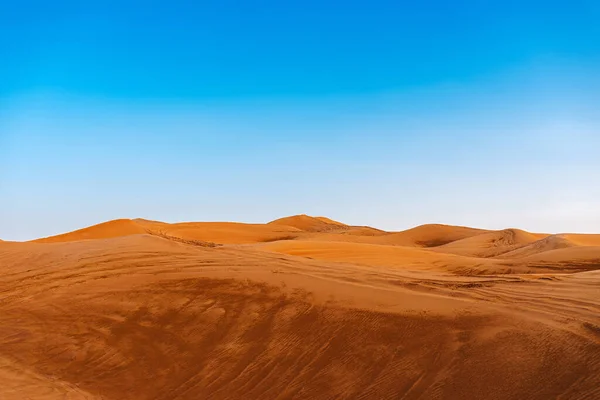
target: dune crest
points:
(309, 224)
(110, 229)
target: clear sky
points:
(386, 113)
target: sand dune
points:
(376, 255)
(218, 232)
(227, 232)
(570, 255)
(137, 309)
(364, 231)
(330, 221)
(583, 240)
(431, 235)
(491, 244)
(116, 228)
(552, 242)
(423, 236)
(309, 224)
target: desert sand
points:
(299, 308)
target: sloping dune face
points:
(583, 240)
(110, 229)
(330, 221)
(552, 242)
(137, 309)
(217, 232)
(226, 232)
(432, 235)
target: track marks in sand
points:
(205, 338)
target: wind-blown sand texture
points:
(299, 308)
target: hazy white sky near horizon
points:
(388, 114)
(493, 154)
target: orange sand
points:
(300, 308)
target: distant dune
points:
(583, 240)
(309, 224)
(299, 308)
(226, 232)
(455, 249)
(432, 235)
(110, 229)
(552, 242)
(364, 231)
(491, 244)
(574, 256)
(374, 255)
(330, 221)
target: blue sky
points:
(391, 114)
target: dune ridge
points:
(109, 229)
(457, 248)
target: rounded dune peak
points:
(105, 230)
(309, 224)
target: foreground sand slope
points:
(144, 317)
